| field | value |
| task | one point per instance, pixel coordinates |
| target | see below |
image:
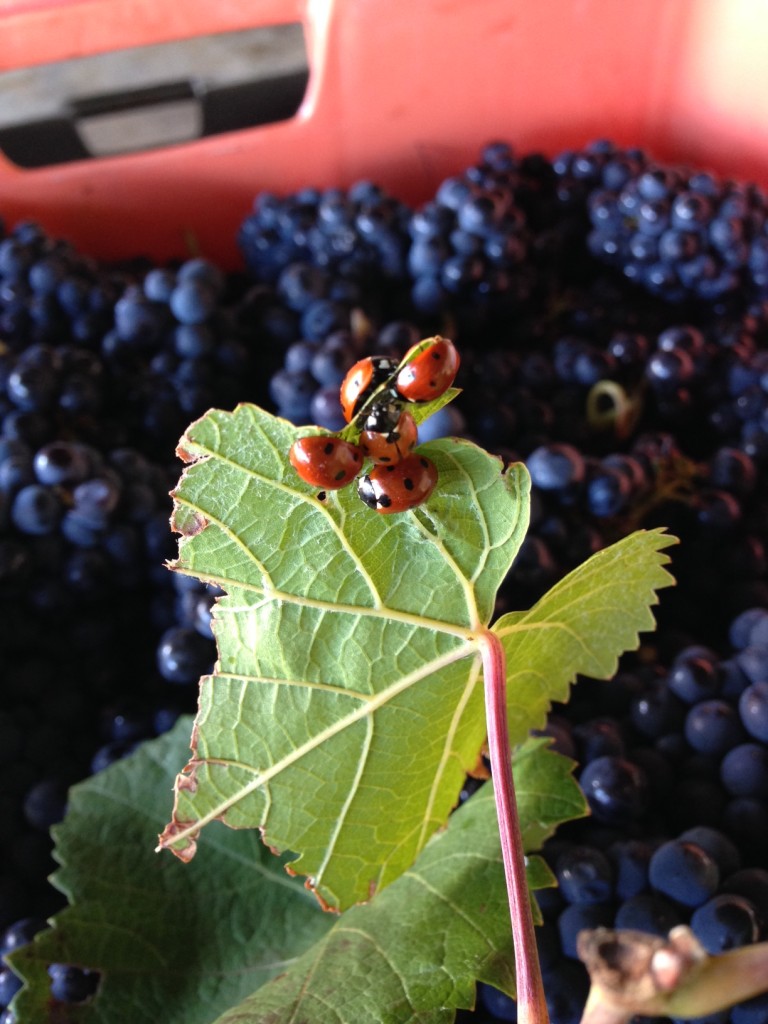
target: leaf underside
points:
(581, 626)
(346, 706)
(345, 709)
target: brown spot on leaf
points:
(187, 522)
(324, 905)
(183, 453)
(272, 849)
(186, 780)
(169, 835)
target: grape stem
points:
(531, 1004)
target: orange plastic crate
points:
(403, 93)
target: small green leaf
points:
(173, 943)
(581, 625)
(416, 952)
(346, 707)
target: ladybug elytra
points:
(430, 373)
(399, 487)
(389, 433)
(323, 460)
(361, 381)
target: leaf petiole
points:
(531, 1002)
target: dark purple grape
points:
(684, 872)
(183, 656)
(713, 727)
(500, 1006)
(744, 770)
(585, 875)
(616, 789)
(579, 916)
(70, 984)
(727, 921)
(10, 984)
(753, 709)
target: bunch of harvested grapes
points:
(612, 319)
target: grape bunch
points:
(613, 323)
(678, 232)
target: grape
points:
(499, 1005)
(585, 875)
(63, 462)
(695, 675)
(753, 661)
(579, 916)
(744, 770)
(727, 921)
(19, 933)
(753, 709)
(71, 984)
(630, 858)
(183, 656)
(615, 788)
(556, 467)
(752, 1011)
(648, 912)
(713, 727)
(45, 803)
(718, 845)
(36, 510)
(565, 990)
(684, 872)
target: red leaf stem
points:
(531, 1004)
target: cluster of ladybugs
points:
(375, 395)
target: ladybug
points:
(430, 374)
(362, 380)
(389, 433)
(398, 487)
(326, 461)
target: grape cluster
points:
(613, 325)
(678, 232)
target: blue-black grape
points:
(585, 875)
(753, 709)
(71, 984)
(684, 872)
(616, 789)
(724, 922)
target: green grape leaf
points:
(173, 943)
(581, 625)
(346, 706)
(416, 952)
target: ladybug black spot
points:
(384, 501)
(328, 448)
(340, 475)
(408, 484)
